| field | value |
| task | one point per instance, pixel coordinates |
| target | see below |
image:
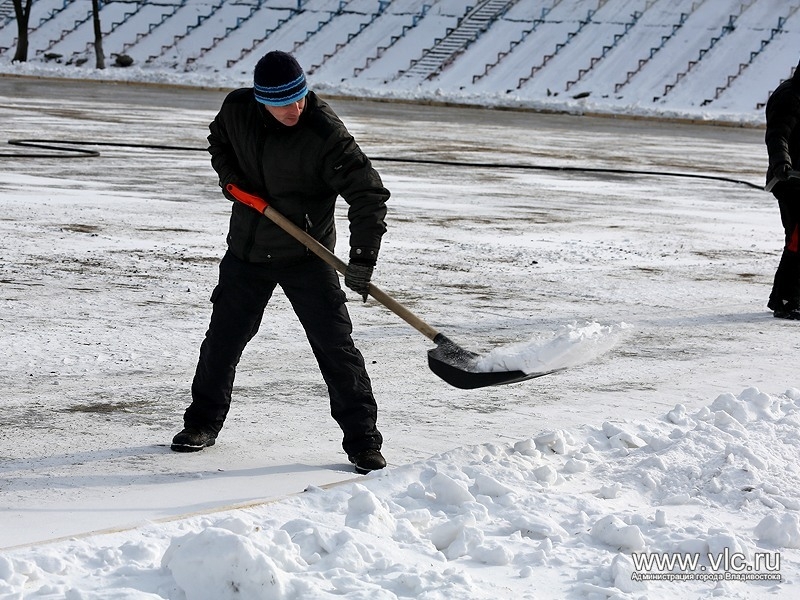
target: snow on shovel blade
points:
(457, 366)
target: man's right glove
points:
(782, 171)
(357, 277)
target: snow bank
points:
(565, 513)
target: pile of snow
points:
(683, 506)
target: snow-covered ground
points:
(673, 437)
(662, 464)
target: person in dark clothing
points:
(280, 141)
(783, 147)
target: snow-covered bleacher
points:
(635, 52)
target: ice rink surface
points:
(108, 263)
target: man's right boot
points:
(192, 439)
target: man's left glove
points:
(357, 277)
(782, 171)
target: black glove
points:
(357, 277)
(782, 171)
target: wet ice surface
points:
(662, 430)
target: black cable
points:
(81, 153)
(71, 152)
(567, 169)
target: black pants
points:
(312, 287)
(786, 286)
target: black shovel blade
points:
(457, 366)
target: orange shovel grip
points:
(247, 198)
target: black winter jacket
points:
(300, 171)
(783, 131)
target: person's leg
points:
(239, 301)
(315, 294)
(785, 296)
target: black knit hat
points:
(278, 79)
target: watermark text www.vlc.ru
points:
(722, 566)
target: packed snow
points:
(659, 462)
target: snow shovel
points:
(774, 180)
(448, 360)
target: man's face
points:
(287, 115)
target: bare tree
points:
(98, 35)
(23, 14)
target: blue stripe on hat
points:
(281, 95)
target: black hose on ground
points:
(568, 169)
(66, 150)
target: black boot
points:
(368, 460)
(192, 439)
(792, 314)
(783, 309)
